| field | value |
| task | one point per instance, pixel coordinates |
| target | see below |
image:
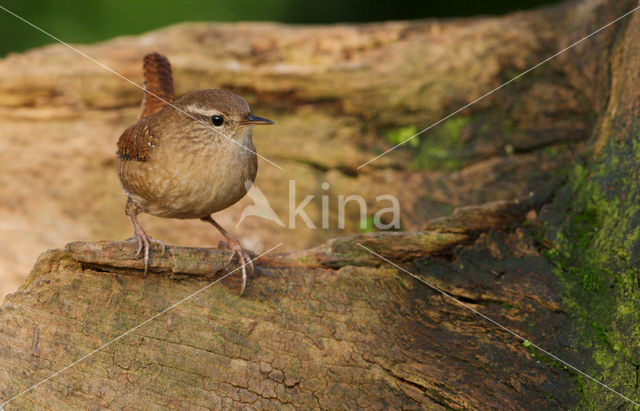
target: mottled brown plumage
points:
(188, 159)
(158, 81)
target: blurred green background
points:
(82, 21)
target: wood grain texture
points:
(361, 336)
(321, 328)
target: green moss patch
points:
(593, 229)
(440, 149)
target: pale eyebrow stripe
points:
(193, 108)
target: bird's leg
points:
(144, 241)
(234, 245)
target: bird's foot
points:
(244, 258)
(145, 242)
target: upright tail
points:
(158, 80)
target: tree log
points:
(306, 334)
(333, 326)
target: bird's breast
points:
(193, 180)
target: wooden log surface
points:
(321, 326)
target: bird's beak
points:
(256, 121)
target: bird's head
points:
(214, 112)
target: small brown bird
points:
(188, 158)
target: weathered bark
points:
(365, 335)
(330, 325)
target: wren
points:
(186, 158)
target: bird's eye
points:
(217, 120)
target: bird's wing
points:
(158, 80)
(137, 142)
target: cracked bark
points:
(343, 331)
(331, 326)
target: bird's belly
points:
(197, 185)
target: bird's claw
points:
(233, 254)
(144, 243)
(243, 258)
(139, 246)
(158, 242)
